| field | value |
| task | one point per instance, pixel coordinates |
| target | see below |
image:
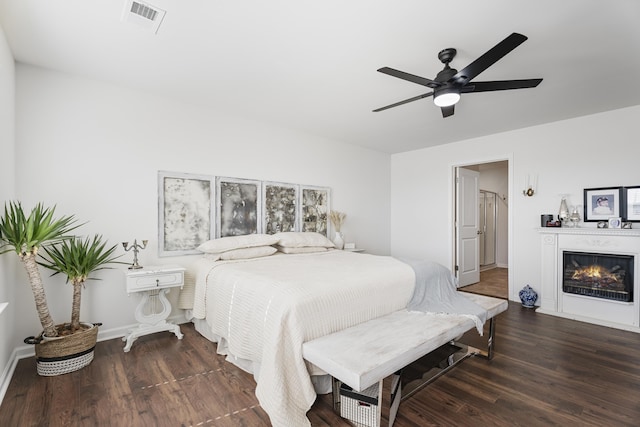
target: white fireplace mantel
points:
(554, 241)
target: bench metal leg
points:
(488, 353)
(335, 391)
(464, 352)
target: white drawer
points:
(154, 281)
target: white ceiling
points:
(311, 65)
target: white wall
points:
(94, 150)
(7, 85)
(568, 156)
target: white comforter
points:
(266, 308)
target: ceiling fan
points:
(450, 83)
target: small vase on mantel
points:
(563, 213)
(528, 297)
(338, 240)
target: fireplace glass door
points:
(608, 276)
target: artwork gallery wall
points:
(95, 150)
(195, 208)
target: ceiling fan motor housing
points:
(446, 55)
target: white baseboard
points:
(7, 374)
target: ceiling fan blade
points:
(447, 111)
(489, 58)
(501, 85)
(406, 101)
(410, 77)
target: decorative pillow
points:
(298, 239)
(301, 250)
(229, 243)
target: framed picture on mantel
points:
(600, 204)
(631, 204)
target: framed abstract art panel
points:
(185, 212)
(314, 209)
(279, 207)
(238, 206)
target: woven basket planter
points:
(64, 354)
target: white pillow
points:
(302, 250)
(246, 253)
(299, 239)
(229, 243)
(243, 253)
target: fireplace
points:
(607, 276)
(591, 275)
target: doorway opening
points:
(488, 210)
(481, 227)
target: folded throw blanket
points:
(436, 292)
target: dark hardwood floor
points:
(546, 371)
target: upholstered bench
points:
(371, 352)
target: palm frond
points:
(23, 234)
(77, 258)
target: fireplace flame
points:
(594, 272)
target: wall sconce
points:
(136, 247)
(530, 189)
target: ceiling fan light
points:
(446, 97)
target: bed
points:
(261, 309)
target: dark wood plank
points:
(546, 371)
(493, 282)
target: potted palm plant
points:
(25, 236)
(66, 347)
(77, 258)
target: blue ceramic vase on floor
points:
(528, 297)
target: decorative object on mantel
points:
(600, 204)
(337, 219)
(547, 220)
(627, 225)
(563, 213)
(136, 247)
(615, 223)
(631, 204)
(574, 218)
(528, 297)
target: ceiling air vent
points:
(143, 14)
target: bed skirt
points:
(321, 381)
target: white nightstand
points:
(154, 307)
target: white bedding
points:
(266, 308)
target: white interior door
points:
(467, 227)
